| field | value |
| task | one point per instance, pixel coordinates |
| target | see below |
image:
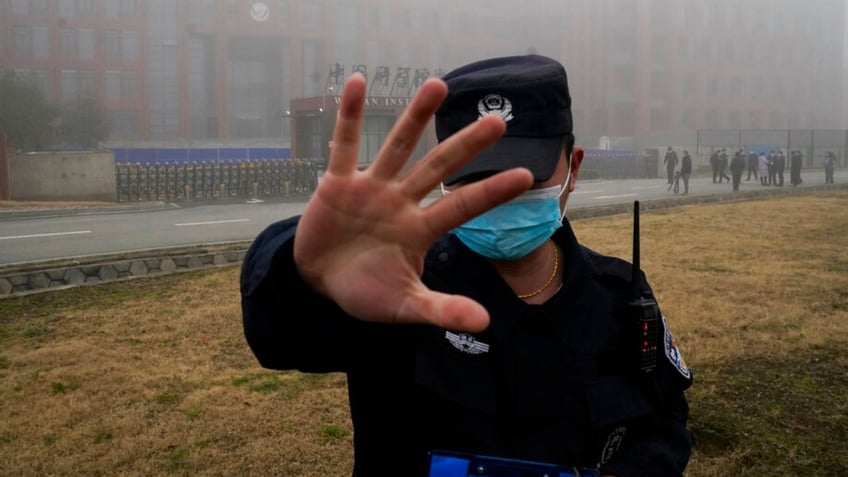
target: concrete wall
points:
(53, 176)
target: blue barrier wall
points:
(194, 155)
(617, 164)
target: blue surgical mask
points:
(516, 228)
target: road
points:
(69, 234)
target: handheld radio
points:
(645, 309)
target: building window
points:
(712, 86)
(70, 84)
(129, 45)
(38, 78)
(734, 86)
(76, 8)
(120, 85)
(22, 41)
(69, 43)
(85, 38)
(121, 45)
(311, 15)
(31, 41)
(66, 8)
(77, 84)
(112, 43)
(20, 7)
(119, 8)
(284, 13)
(347, 22)
(202, 12)
(381, 19)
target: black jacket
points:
(552, 383)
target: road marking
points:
(55, 234)
(587, 191)
(214, 222)
(648, 187)
(602, 197)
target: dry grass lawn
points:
(153, 377)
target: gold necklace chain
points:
(550, 280)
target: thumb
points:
(453, 312)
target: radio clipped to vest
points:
(645, 311)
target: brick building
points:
(642, 73)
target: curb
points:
(38, 277)
(50, 212)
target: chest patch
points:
(466, 343)
(672, 352)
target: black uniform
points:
(779, 168)
(737, 167)
(795, 163)
(552, 383)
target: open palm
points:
(363, 236)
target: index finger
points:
(344, 155)
(471, 200)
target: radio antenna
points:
(635, 277)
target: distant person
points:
(829, 167)
(762, 167)
(685, 170)
(795, 163)
(722, 166)
(772, 168)
(714, 165)
(752, 165)
(670, 162)
(737, 167)
(779, 167)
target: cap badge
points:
(495, 103)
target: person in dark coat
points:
(476, 325)
(685, 170)
(772, 168)
(714, 165)
(829, 167)
(752, 165)
(670, 162)
(795, 164)
(779, 167)
(737, 167)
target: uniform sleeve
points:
(287, 324)
(661, 445)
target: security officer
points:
(483, 335)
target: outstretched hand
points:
(363, 236)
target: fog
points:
(642, 73)
(235, 82)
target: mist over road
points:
(61, 234)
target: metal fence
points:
(215, 179)
(599, 163)
(813, 143)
